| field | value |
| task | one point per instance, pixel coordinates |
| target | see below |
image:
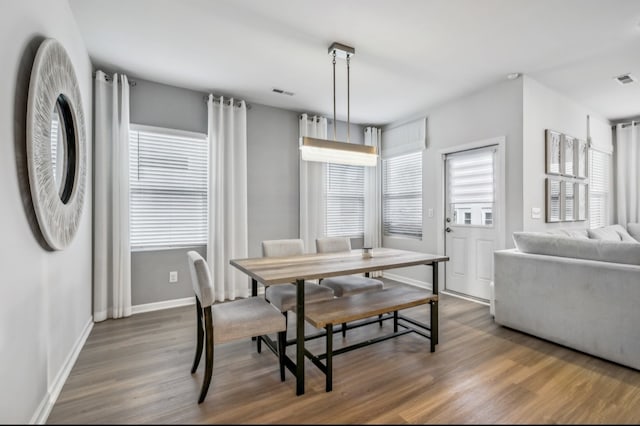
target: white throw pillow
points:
(634, 230)
(556, 245)
(611, 233)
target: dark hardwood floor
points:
(137, 370)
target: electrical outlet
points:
(173, 276)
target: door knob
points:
(448, 219)
(448, 229)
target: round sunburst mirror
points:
(56, 145)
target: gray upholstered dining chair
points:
(229, 321)
(345, 285)
(283, 296)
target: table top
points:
(281, 270)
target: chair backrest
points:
(281, 248)
(200, 278)
(333, 244)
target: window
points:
(488, 217)
(471, 186)
(168, 178)
(345, 201)
(402, 195)
(599, 188)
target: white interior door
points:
(471, 215)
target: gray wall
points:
(273, 180)
(159, 105)
(545, 108)
(45, 296)
(273, 175)
(150, 275)
(491, 112)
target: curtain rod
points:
(107, 77)
(217, 99)
(631, 123)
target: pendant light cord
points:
(334, 95)
(348, 101)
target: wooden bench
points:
(341, 310)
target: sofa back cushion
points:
(634, 230)
(582, 233)
(591, 249)
(611, 233)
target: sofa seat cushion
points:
(611, 233)
(592, 249)
(634, 230)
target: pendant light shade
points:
(333, 151)
(327, 151)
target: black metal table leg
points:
(254, 293)
(434, 305)
(329, 362)
(300, 337)
(434, 324)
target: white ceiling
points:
(410, 54)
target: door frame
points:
(500, 169)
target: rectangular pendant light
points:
(328, 151)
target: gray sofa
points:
(578, 288)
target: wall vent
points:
(625, 79)
(282, 92)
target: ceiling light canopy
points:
(327, 151)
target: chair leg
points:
(200, 336)
(282, 347)
(208, 372)
(259, 345)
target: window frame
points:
(328, 194)
(386, 231)
(604, 194)
(174, 133)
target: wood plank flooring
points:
(137, 370)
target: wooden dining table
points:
(299, 269)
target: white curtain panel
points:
(312, 186)
(373, 195)
(627, 173)
(112, 251)
(227, 196)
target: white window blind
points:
(345, 201)
(471, 186)
(599, 188)
(168, 177)
(402, 195)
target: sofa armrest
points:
(588, 305)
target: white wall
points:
(45, 297)
(543, 109)
(491, 112)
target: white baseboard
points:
(462, 296)
(165, 304)
(406, 280)
(44, 409)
